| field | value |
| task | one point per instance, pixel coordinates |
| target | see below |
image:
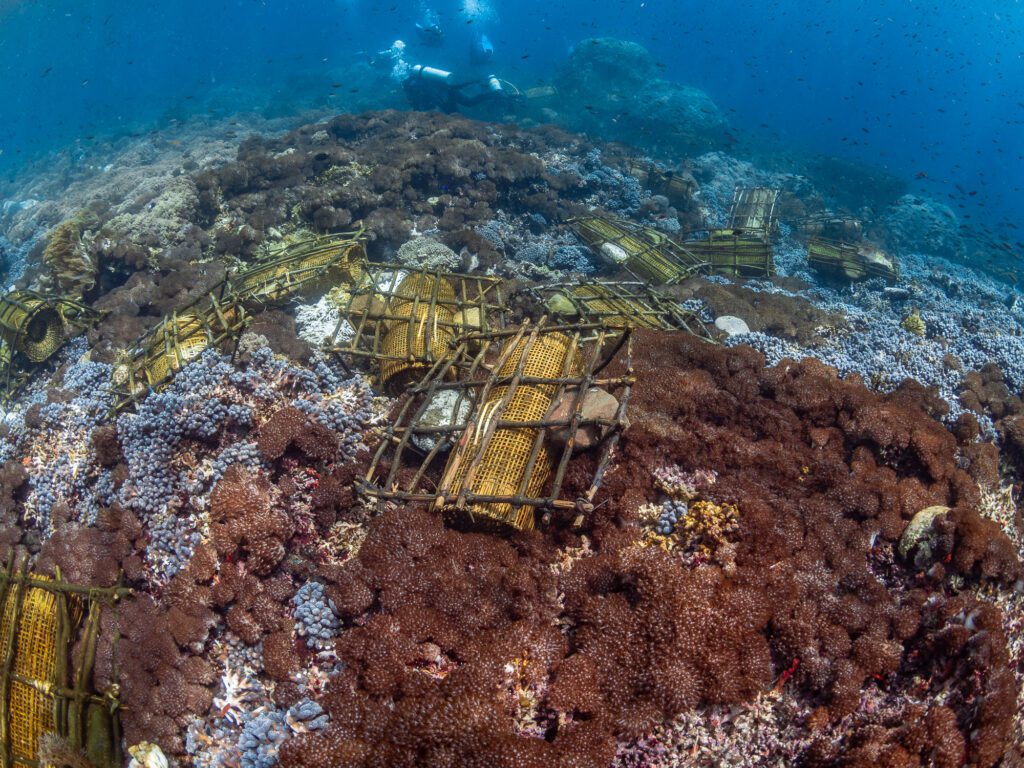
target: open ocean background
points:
(931, 91)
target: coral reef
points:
(625, 99)
(856, 468)
(426, 253)
(826, 476)
(917, 224)
(965, 325)
(71, 267)
(738, 594)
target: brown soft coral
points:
(254, 607)
(426, 672)
(157, 694)
(85, 555)
(653, 638)
(245, 520)
(291, 427)
(280, 657)
(190, 597)
(826, 475)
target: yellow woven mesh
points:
(733, 253)
(644, 258)
(615, 311)
(506, 456)
(412, 346)
(652, 265)
(176, 342)
(754, 208)
(651, 255)
(826, 251)
(848, 260)
(283, 278)
(167, 350)
(31, 325)
(30, 712)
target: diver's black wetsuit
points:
(426, 94)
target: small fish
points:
(46, 71)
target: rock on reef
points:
(611, 87)
(924, 225)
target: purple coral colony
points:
(804, 547)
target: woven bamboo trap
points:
(32, 328)
(753, 211)
(34, 325)
(733, 252)
(406, 321)
(49, 631)
(831, 227)
(486, 456)
(847, 261)
(677, 187)
(178, 339)
(617, 305)
(644, 252)
(304, 266)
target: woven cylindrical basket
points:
(413, 345)
(502, 463)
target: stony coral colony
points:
(736, 596)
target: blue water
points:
(932, 91)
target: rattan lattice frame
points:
(844, 261)
(489, 384)
(406, 320)
(821, 224)
(652, 255)
(618, 304)
(732, 252)
(31, 325)
(42, 689)
(753, 211)
(181, 337)
(19, 352)
(307, 265)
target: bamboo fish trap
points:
(502, 467)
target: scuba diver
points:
(429, 30)
(429, 88)
(481, 50)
